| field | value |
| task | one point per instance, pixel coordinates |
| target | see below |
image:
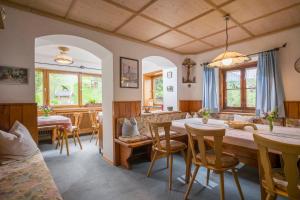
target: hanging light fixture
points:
(2, 17)
(228, 58)
(62, 57)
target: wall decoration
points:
(169, 74)
(129, 73)
(13, 75)
(170, 88)
(188, 64)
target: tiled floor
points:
(85, 175)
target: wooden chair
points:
(277, 182)
(95, 125)
(74, 130)
(164, 147)
(214, 159)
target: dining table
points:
(57, 120)
(239, 141)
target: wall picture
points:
(169, 74)
(170, 88)
(13, 75)
(129, 73)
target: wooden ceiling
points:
(182, 26)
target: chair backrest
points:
(93, 117)
(199, 134)
(154, 130)
(290, 155)
(77, 119)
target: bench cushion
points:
(133, 139)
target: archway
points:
(159, 84)
(106, 58)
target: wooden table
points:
(57, 120)
(239, 142)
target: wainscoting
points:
(190, 105)
(26, 113)
(292, 109)
(123, 109)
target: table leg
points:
(261, 175)
(66, 139)
(188, 164)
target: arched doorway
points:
(159, 84)
(106, 58)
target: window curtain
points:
(210, 97)
(269, 91)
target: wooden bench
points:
(130, 151)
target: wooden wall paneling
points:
(26, 113)
(190, 105)
(292, 109)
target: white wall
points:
(287, 58)
(17, 44)
(170, 98)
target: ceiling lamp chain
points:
(228, 58)
(63, 58)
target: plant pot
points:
(170, 108)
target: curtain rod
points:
(73, 66)
(274, 49)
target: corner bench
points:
(129, 151)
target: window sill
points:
(231, 111)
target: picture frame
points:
(170, 88)
(169, 74)
(129, 73)
(13, 75)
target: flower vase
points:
(204, 120)
(46, 114)
(271, 126)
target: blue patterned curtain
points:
(269, 91)
(210, 97)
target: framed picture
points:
(169, 74)
(170, 88)
(129, 73)
(13, 75)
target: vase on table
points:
(204, 120)
(271, 125)
(46, 114)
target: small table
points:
(57, 120)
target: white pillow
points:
(188, 115)
(243, 118)
(130, 128)
(17, 144)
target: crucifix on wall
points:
(188, 64)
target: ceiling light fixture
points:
(62, 57)
(2, 17)
(228, 58)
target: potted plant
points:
(205, 114)
(271, 117)
(46, 110)
(91, 103)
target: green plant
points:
(205, 112)
(92, 101)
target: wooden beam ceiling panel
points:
(171, 39)
(235, 34)
(57, 7)
(142, 28)
(192, 47)
(245, 10)
(276, 21)
(99, 13)
(135, 5)
(176, 12)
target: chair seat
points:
(70, 129)
(227, 161)
(280, 180)
(174, 145)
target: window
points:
(158, 92)
(61, 88)
(39, 97)
(238, 88)
(91, 89)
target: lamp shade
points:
(63, 58)
(228, 58)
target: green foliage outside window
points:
(158, 90)
(91, 89)
(39, 88)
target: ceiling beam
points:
(135, 14)
(70, 8)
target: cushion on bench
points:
(133, 139)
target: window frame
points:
(46, 86)
(152, 76)
(243, 88)
(153, 89)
